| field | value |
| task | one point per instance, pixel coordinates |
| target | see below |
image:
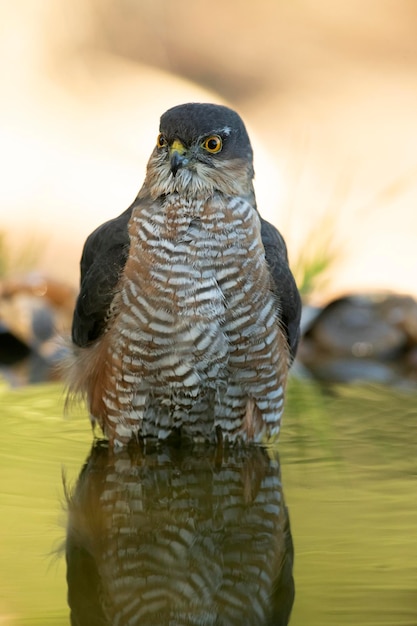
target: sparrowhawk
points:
(179, 537)
(188, 315)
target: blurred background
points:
(327, 89)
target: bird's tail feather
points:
(80, 371)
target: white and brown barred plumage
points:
(176, 538)
(188, 315)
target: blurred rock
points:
(362, 337)
(35, 312)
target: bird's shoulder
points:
(283, 283)
(103, 258)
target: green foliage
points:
(25, 258)
(317, 256)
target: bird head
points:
(201, 149)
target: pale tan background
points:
(327, 88)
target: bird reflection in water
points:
(178, 537)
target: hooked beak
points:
(177, 154)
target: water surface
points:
(347, 471)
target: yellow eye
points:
(161, 142)
(213, 144)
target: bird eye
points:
(161, 142)
(213, 144)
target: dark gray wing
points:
(104, 257)
(284, 283)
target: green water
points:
(349, 476)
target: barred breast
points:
(172, 538)
(193, 341)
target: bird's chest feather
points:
(194, 286)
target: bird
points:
(187, 319)
(179, 536)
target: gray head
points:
(201, 149)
